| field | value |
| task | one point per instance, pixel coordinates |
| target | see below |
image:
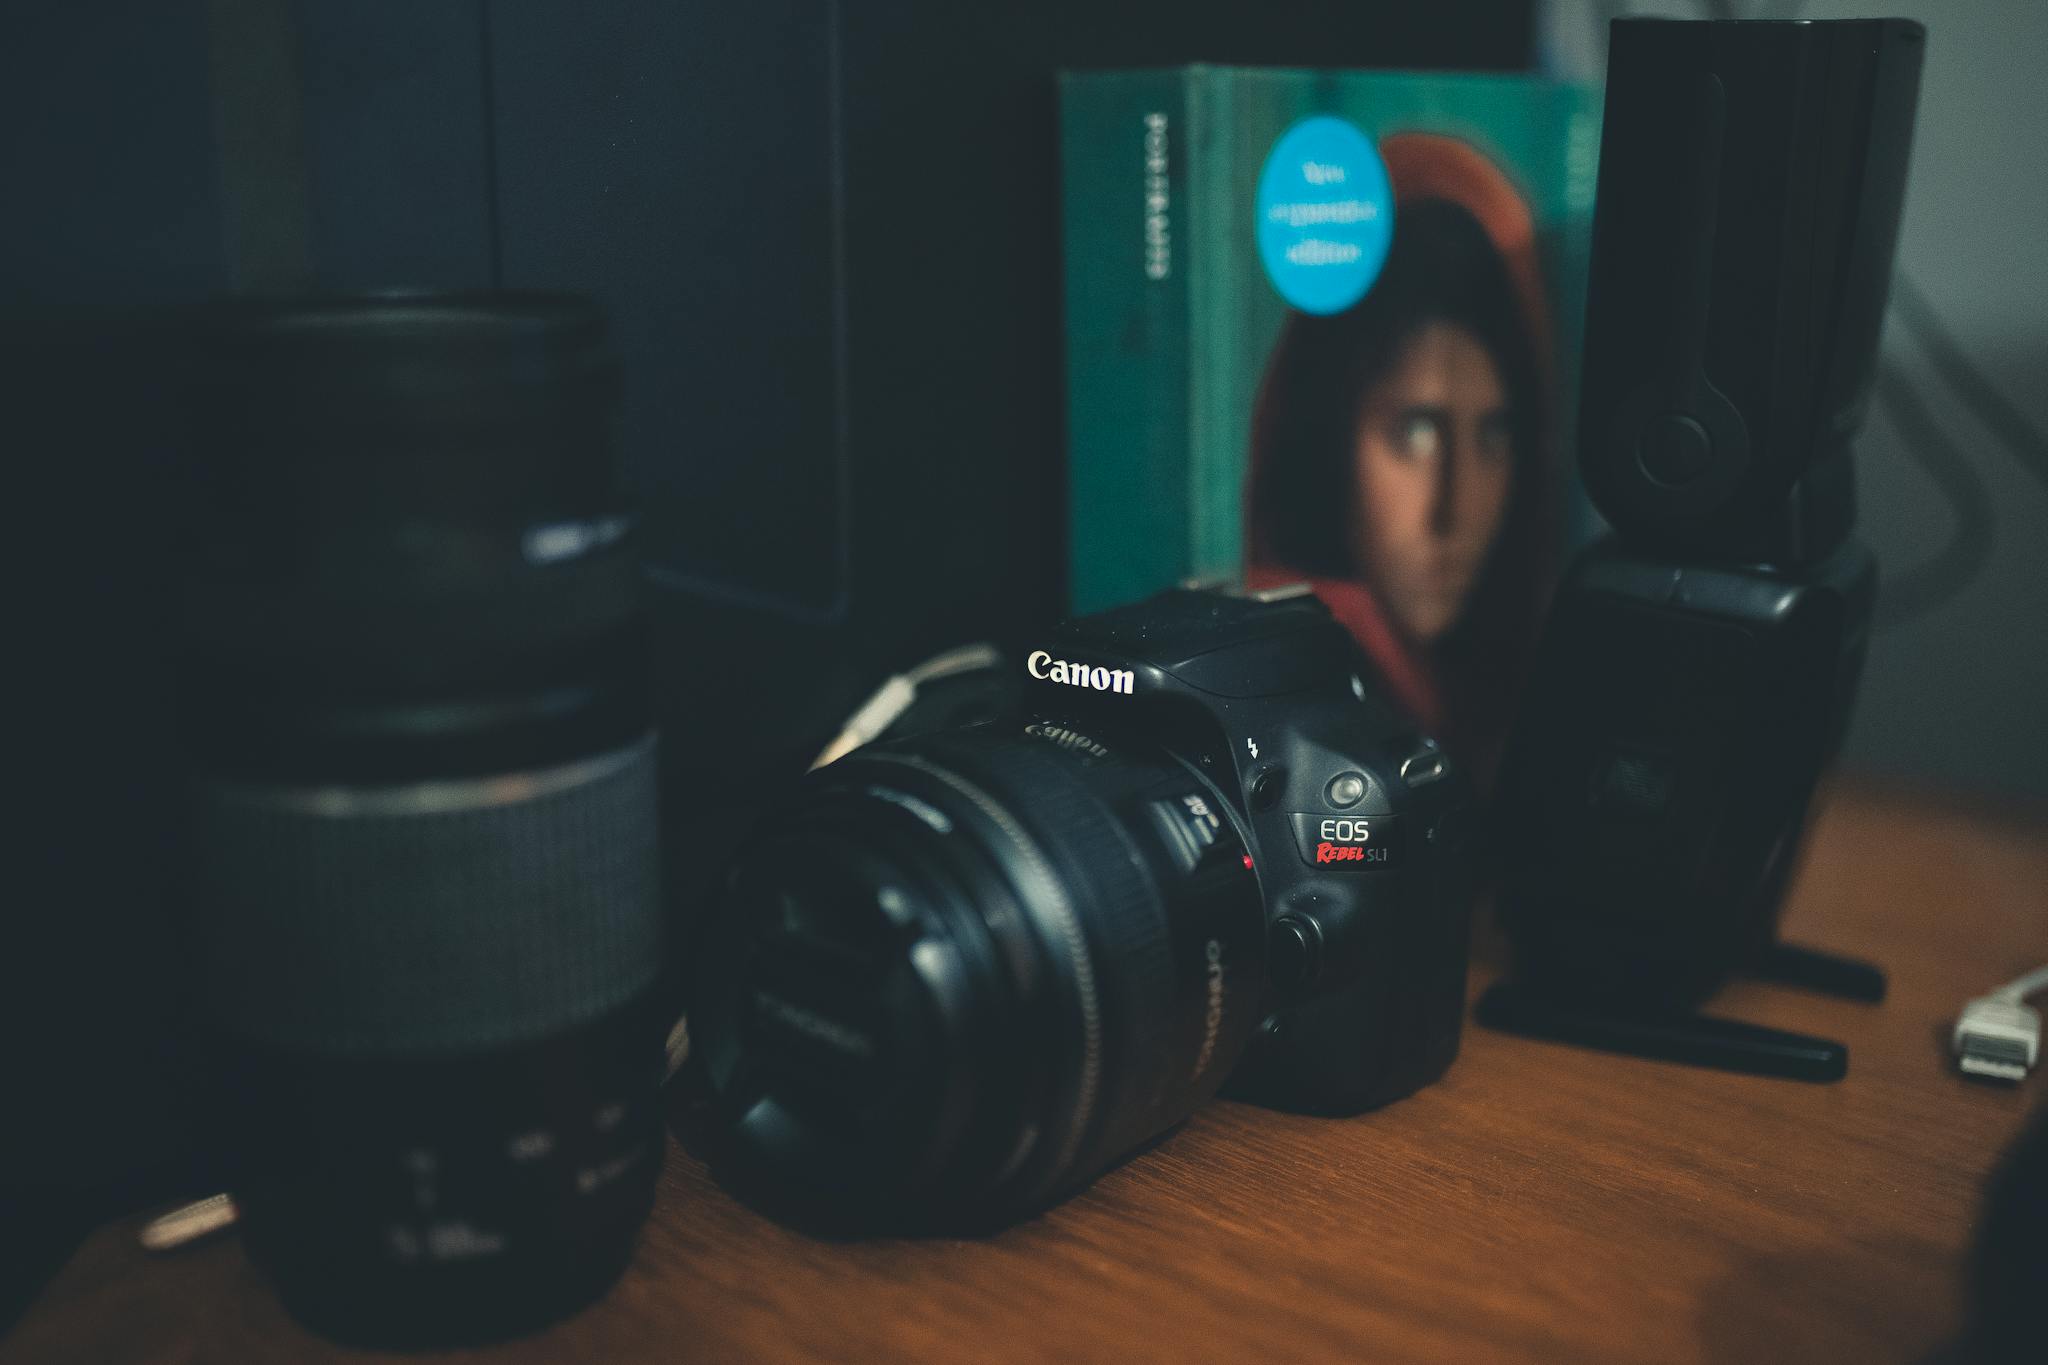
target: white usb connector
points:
(1998, 1036)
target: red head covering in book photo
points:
(1400, 450)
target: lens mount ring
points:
(448, 796)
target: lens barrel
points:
(961, 975)
(424, 887)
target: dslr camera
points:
(959, 975)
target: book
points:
(1323, 326)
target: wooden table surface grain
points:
(1540, 1203)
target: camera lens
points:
(959, 976)
(424, 885)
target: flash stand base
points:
(1696, 1039)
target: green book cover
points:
(1324, 326)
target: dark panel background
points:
(397, 143)
(679, 163)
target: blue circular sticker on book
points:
(1326, 214)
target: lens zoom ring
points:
(1127, 926)
(1045, 895)
(434, 918)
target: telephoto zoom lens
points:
(959, 976)
(424, 885)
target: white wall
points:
(1958, 693)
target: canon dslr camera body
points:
(961, 974)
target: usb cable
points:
(1999, 1035)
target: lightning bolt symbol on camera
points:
(1252, 745)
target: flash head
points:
(1751, 176)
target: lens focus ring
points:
(487, 911)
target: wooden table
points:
(1540, 1203)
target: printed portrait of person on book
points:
(1401, 455)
